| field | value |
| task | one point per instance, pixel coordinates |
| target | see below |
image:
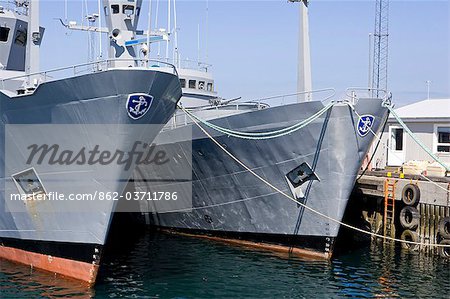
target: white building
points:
(429, 120)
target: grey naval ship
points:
(98, 96)
(317, 165)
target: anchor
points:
(137, 109)
(364, 124)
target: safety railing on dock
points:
(87, 68)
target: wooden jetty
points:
(409, 207)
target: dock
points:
(409, 207)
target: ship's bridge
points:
(197, 86)
(13, 39)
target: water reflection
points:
(19, 281)
(166, 266)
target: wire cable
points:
(301, 204)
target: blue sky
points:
(253, 44)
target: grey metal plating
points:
(97, 98)
(235, 201)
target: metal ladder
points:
(389, 208)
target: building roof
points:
(433, 108)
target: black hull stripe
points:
(82, 252)
(316, 243)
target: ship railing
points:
(181, 119)
(301, 96)
(34, 79)
(189, 64)
(277, 100)
(355, 93)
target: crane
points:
(380, 56)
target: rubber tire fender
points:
(409, 235)
(444, 251)
(444, 227)
(409, 213)
(411, 194)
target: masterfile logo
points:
(87, 166)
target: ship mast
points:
(34, 39)
(122, 18)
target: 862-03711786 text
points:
(101, 196)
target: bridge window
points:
(128, 10)
(4, 33)
(115, 9)
(201, 84)
(183, 83)
(192, 83)
(209, 87)
(21, 37)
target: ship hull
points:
(74, 260)
(230, 203)
(46, 235)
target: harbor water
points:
(156, 265)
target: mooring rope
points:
(298, 202)
(375, 150)
(393, 153)
(261, 135)
(417, 140)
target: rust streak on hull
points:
(69, 268)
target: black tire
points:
(409, 217)
(411, 195)
(444, 251)
(444, 227)
(409, 235)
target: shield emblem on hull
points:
(365, 123)
(138, 105)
